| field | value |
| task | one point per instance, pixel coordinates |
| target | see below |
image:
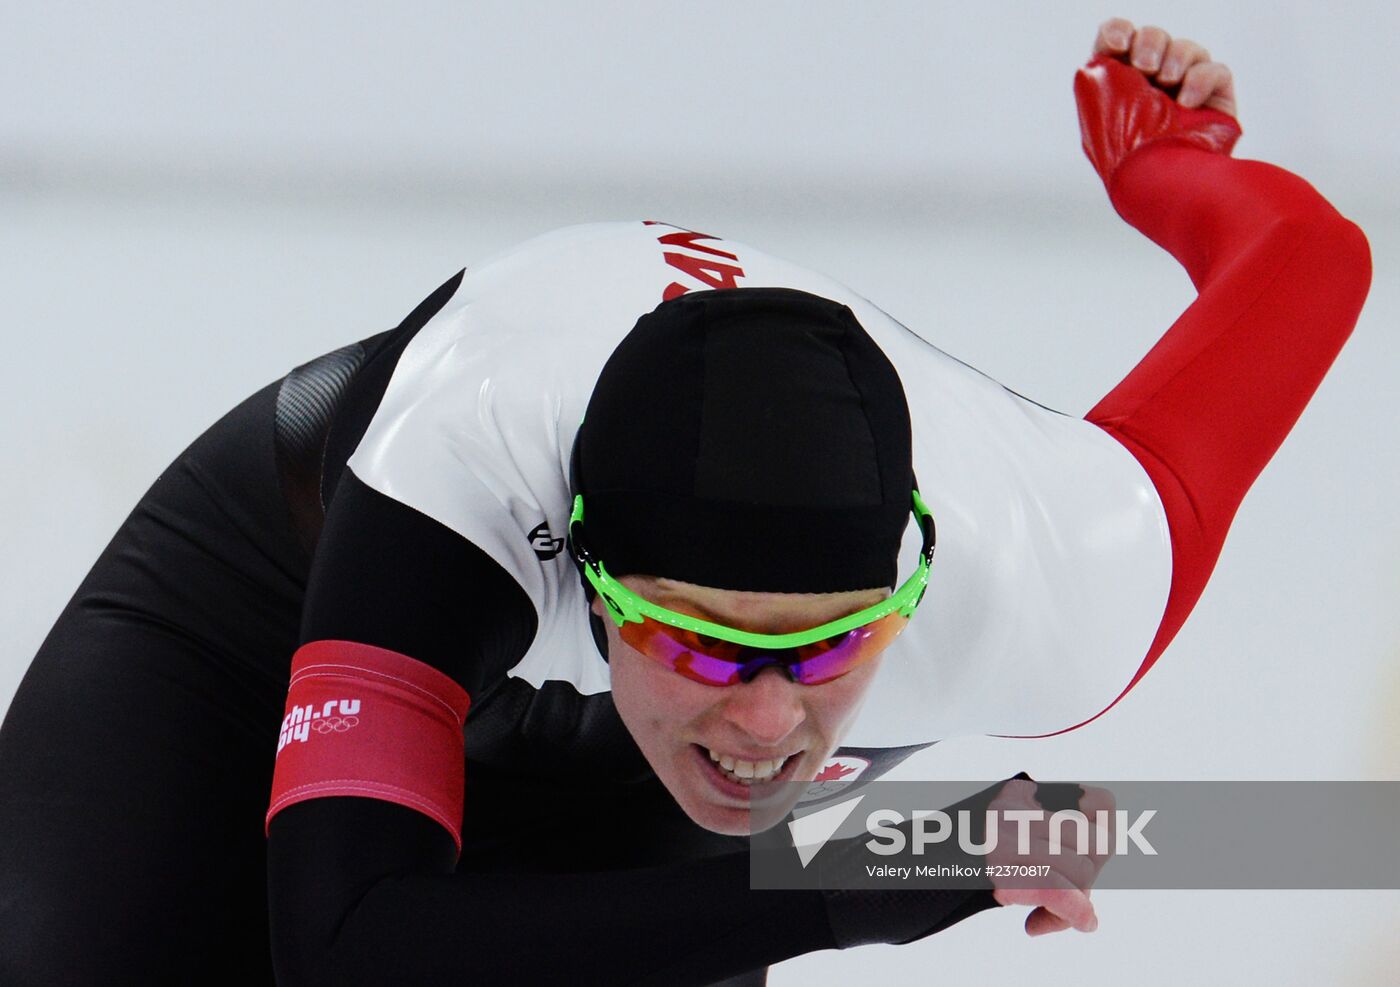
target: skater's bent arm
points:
(1282, 278)
(367, 896)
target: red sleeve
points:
(1282, 278)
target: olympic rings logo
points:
(334, 724)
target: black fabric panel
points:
(391, 577)
(307, 403)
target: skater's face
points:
(769, 728)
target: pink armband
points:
(374, 723)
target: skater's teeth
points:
(747, 771)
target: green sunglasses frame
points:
(624, 605)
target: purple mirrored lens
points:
(713, 661)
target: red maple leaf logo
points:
(833, 772)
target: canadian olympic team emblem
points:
(835, 776)
(336, 716)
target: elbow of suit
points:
(1355, 252)
(1330, 258)
(1340, 255)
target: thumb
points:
(1042, 921)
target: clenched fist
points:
(1172, 64)
(1142, 87)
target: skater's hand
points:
(1177, 65)
(1141, 87)
(1061, 898)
